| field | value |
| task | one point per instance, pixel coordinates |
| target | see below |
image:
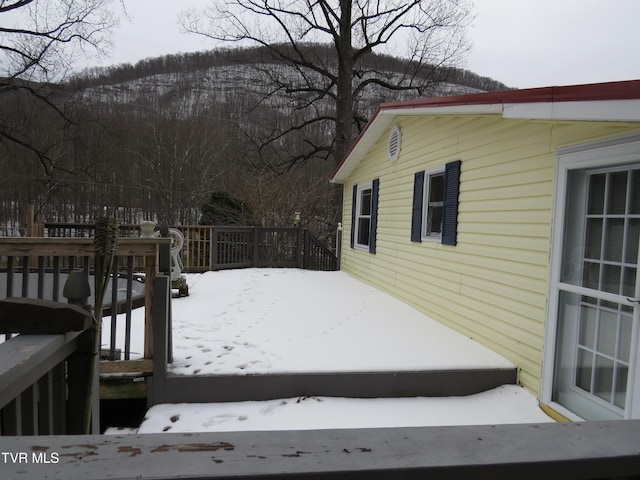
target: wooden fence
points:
(216, 248)
(241, 247)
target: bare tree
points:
(39, 40)
(178, 161)
(326, 85)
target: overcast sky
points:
(522, 43)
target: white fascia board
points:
(607, 110)
(488, 109)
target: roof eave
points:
(385, 115)
(616, 101)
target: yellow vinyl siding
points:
(492, 286)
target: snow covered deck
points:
(265, 321)
(261, 334)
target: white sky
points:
(523, 43)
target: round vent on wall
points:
(394, 144)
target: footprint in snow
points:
(268, 410)
(224, 417)
(245, 365)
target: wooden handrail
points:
(57, 246)
(560, 451)
(147, 248)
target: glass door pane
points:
(595, 317)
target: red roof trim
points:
(573, 93)
(625, 90)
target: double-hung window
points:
(364, 216)
(435, 204)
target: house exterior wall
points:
(493, 285)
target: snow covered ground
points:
(506, 404)
(289, 320)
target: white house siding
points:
(492, 286)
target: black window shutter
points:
(416, 208)
(450, 208)
(353, 215)
(375, 187)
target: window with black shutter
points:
(364, 216)
(435, 204)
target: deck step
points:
(236, 388)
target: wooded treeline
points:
(193, 61)
(162, 138)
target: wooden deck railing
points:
(216, 248)
(38, 267)
(317, 256)
(44, 372)
(597, 450)
(84, 230)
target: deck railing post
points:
(114, 310)
(129, 308)
(161, 341)
(302, 247)
(78, 370)
(256, 249)
(150, 265)
(338, 245)
(214, 249)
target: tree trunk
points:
(344, 93)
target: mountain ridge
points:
(172, 63)
(159, 139)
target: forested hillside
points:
(163, 137)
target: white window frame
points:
(427, 236)
(358, 206)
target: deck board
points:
(550, 451)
